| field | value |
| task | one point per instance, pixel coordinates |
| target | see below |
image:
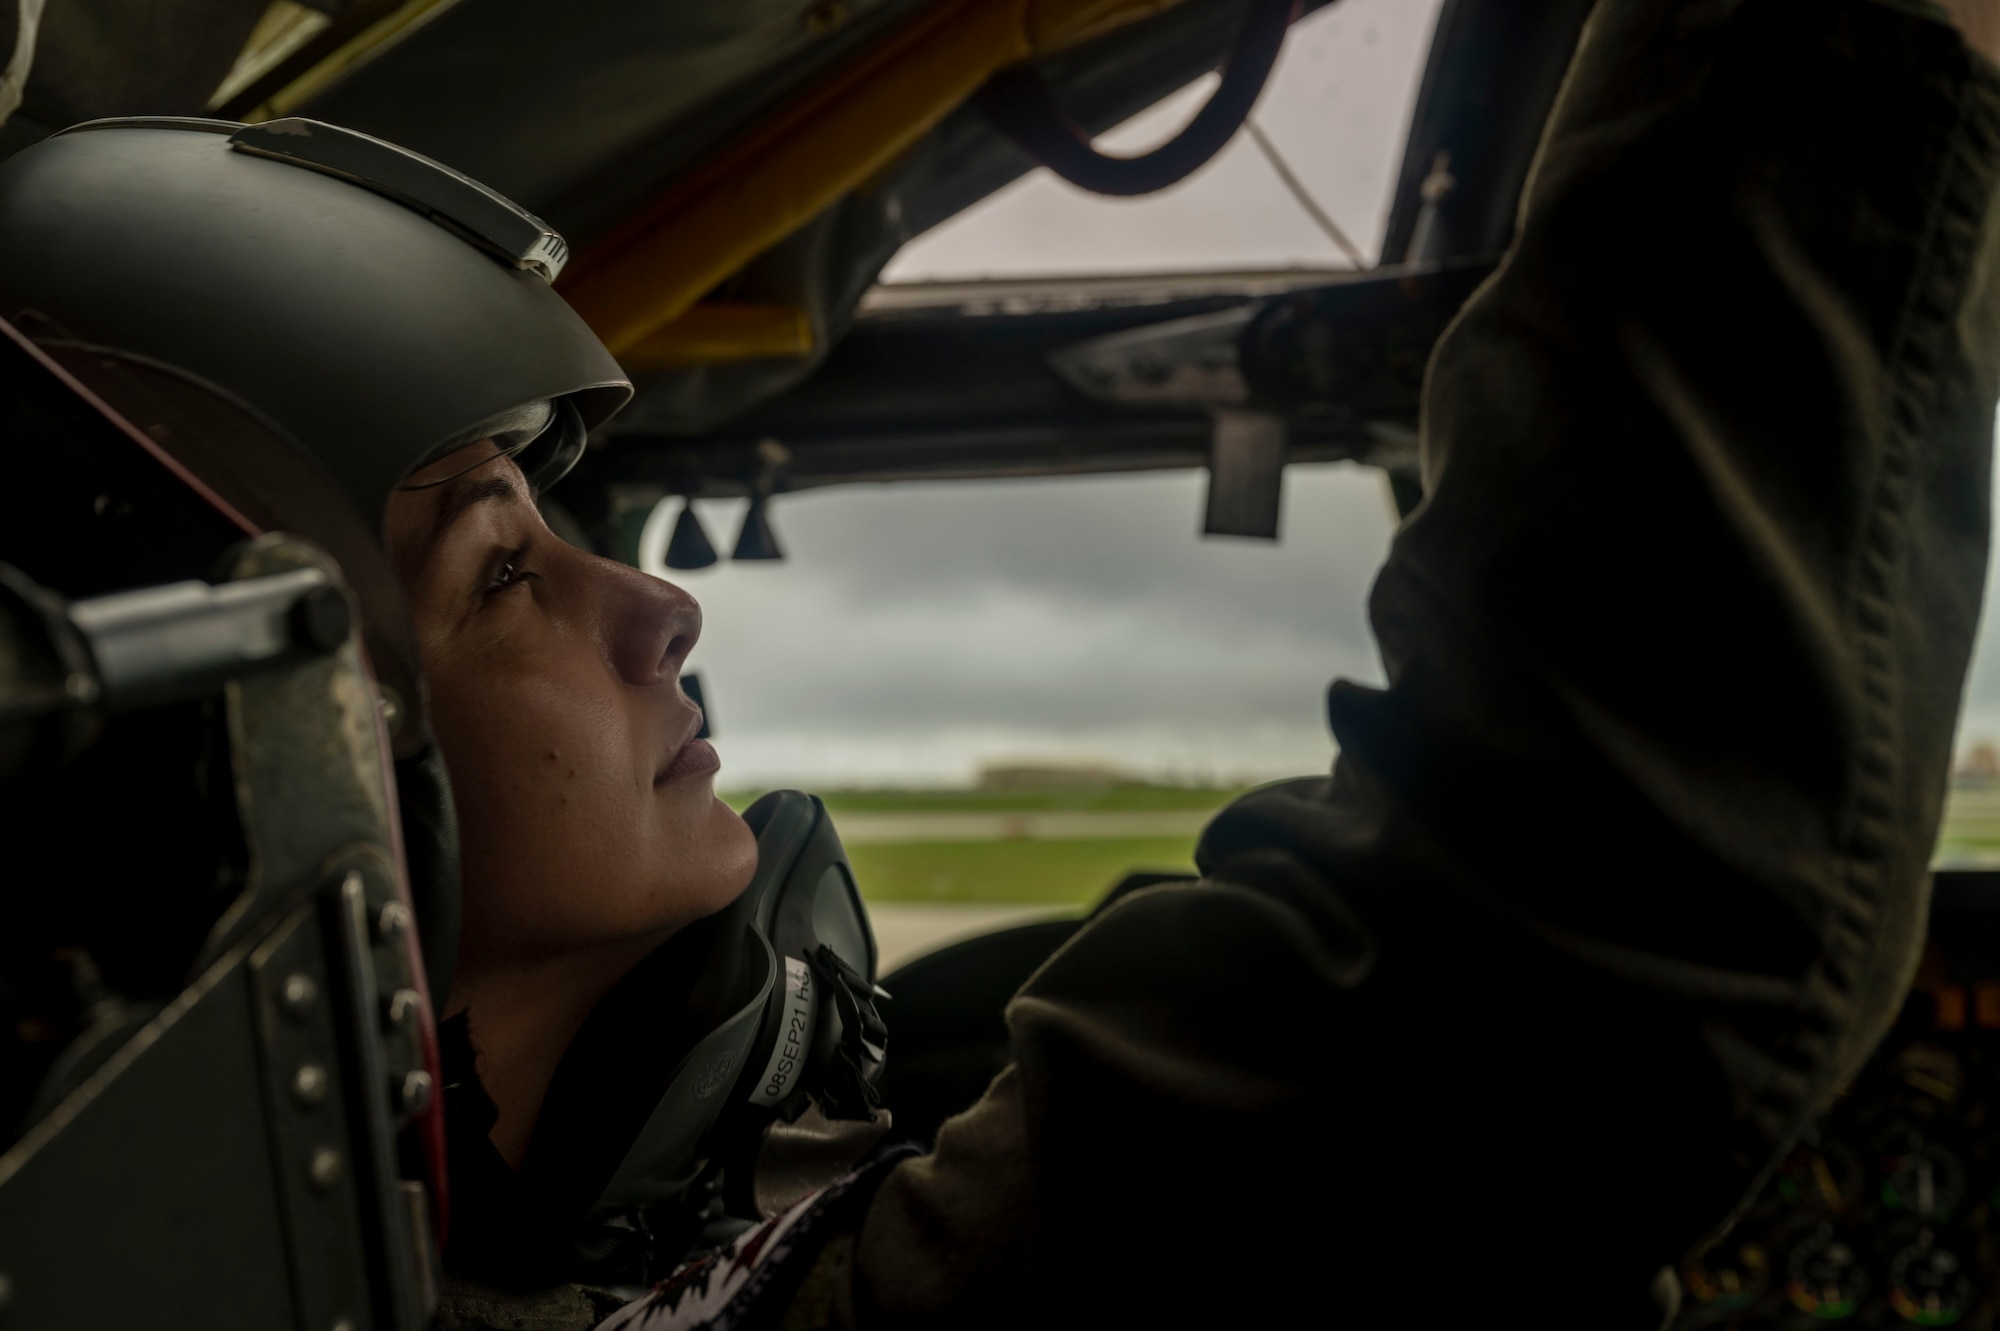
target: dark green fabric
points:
(465, 1305)
(1625, 870)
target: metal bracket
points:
(311, 766)
(1196, 361)
(1246, 475)
(309, 1103)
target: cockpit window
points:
(1971, 832)
(1014, 694)
(1334, 113)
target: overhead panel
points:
(722, 331)
(290, 30)
(779, 174)
(533, 101)
(1077, 375)
(674, 145)
(827, 267)
(118, 58)
(299, 46)
(18, 21)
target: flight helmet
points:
(302, 315)
(365, 306)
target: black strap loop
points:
(850, 1086)
(1021, 105)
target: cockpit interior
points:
(731, 182)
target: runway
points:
(906, 930)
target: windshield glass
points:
(1013, 692)
(1335, 112)
(1971, 833)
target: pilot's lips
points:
(696, 758)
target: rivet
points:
(399, 1010)
(344, 1324)
(309, 1085)
(391, 705)
(392, 922)
(6, 1290)
(324, 1168)
(299, 995)
(415, 1092)
(320, 619)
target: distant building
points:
(1978, 765)
(1053, 776)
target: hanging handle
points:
(1021, 105)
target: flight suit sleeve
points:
(1625, 870)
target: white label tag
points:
(795, 1035)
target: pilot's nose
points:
(654, 625)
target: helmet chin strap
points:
(738, 1021)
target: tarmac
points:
(905, 930)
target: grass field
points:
(1111, 799)
(1971, 833)
(1021, 870)
(1075, 871)
(1056, 873)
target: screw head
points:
(414, 1093)
(392, 922)
(391, 704)
(298, 995)
(323, 1168)
(309, 1085)
(399, 1010)
(321, 620)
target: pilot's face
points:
(587, 809)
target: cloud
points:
(917, 631)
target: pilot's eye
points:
(510, 572)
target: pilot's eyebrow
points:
(494, 489)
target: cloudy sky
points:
(919, 631)
(1336, 107)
